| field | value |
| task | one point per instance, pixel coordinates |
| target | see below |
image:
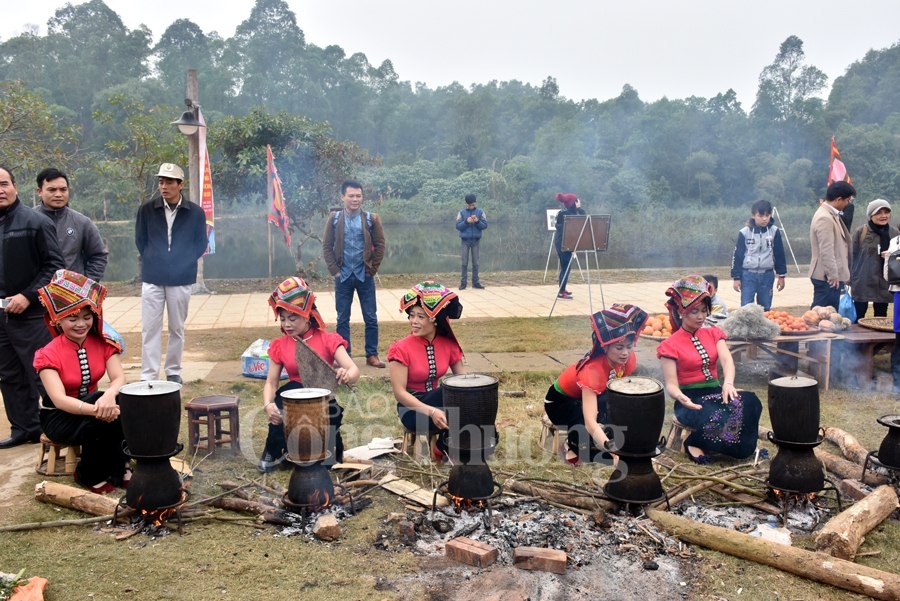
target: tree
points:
(311, 164)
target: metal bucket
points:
(794, 409)
(150, 417)
(637, 406)
(471, 402)
(305, 420)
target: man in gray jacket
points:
(79, 239)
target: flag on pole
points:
(837, 171)
(206, 192)
(277, 211)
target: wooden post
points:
(845, 532)
(196, 186)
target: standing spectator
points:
(79, 239)
(29, 256)
(829, 238)
(470, 222)
(870, 244)
(758, 256)
(573, 207)
(170, 235)
(353, 247)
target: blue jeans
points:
(343, 298)
(824, 295)
(757, 287)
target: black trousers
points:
(880, 309)
(566, 412)
(102, 457)
(20, 338)
(276, 443)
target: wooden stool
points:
(678, 433)
(211, 411)
(50, 454)
(411, 439)
(549, 431)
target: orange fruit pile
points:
(658, 326)
(787, 323)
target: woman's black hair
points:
(442, 320)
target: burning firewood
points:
(845, 532)
(815, 566)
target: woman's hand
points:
(105, 409)
(687, 402)
(342, 376)
(273, 413)
(439, 418)
(729, 392)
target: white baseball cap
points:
(171, 170)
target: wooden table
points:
(788, 350)
(856, 352)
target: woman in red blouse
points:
(74, 411)
(294, 305)
(577, 400)
(723, 418)
(420, 360)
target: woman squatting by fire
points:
(577, 400)
(294, 305)
(723, 419)
(74, 412)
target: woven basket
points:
(882, 324)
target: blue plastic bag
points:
(846, 307)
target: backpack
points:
(337, 215)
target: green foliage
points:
(9, 585)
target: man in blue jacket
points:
(170, 235)
(470, 222)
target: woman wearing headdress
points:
(723, 419)
(74, 412)
(294, 305)
(420, 360)
(577, 400)
(572, 207)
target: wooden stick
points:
(589, 503)
(845, 532)
(82, 522)
(815, 566)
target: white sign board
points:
(551, 219)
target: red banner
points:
(277, 211)
(206, 192)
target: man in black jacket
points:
(29, 256)
(170, 235)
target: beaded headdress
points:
(67, 293)
(294, 295)
(684, 295)
(434, 298)
(620, 320)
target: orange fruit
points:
(657, 333)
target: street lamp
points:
(189, 123)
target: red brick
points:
(543, 560)
(854, 489)
(470, 551)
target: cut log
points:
(267, 513)
(569, 500)
(850, 447)
(845, 532)
(815, 566)
(74, 498)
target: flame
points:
(318, 500)
(158, 517)
(792, 498)
(463, 504)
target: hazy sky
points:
(593, 47)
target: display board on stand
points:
(551, 227)
(588, 234)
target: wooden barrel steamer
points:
(150, 414)
(305, 419)
(794, 409)
(471, 402)
(636, 407)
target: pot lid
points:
(305, 394)
(793, 382)
(150, 388)
(891, 421)
(635, 385)
(469, 380)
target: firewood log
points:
(850, 447)
(569, 500)
(74, 498)
(815, 566)
(845, 532)
(268, 514)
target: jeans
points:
(343, 298)
(468, 246)
(824, 295)
(757, 287)
(564, 259)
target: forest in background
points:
(96, 98)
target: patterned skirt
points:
(729, 428)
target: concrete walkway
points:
(252, 310)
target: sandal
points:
(700, 459)
(101, 488)
(564, 452)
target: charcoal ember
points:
(442, 525)
(651, 565)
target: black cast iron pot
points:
(889, 451)
(150, 416)
(310, 486)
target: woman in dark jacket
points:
(573, 207)
(870, 243)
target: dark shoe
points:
(564, 451)
(462, 286)
(478, 286)
(764, 453)
(268, 463)
(564, 296)
(374, 361)
(698, 459)
(14, 441)
(101, 488)
(176, 379)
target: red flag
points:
(837, 172)
(207, 202)
(277, 211)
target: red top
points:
(594, 375)
(689, 363)
(413, 352)
(62, 355)
(283, 351)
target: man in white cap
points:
(170, 235)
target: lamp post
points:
(190, 125)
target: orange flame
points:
(319, 500)
(463, 504)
